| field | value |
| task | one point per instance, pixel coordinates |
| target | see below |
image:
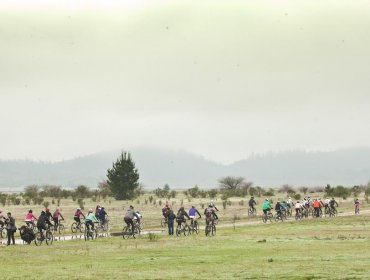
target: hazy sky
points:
(223, 79)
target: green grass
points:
(314, 249)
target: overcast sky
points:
(223, 79)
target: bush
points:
(297, 196)
(46, 204)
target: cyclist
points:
(97, 210)
(284, 206)
(209, 212)
(266, 207)
(48, 214)
(90, 219)
(332, 204)
(326, 205)
(290, 202)
(357, 205)
(77, 216)
(129, 216)
(192, 214)
(29, 220)
(2, 218)
(165, 211)
(102, 215)
(316, 207)
(251, 203)
(56, 215)
(215, 209)
(43, 223)
(278, 209)
(298, 207)
(180, 217)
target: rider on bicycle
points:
(278, 208)
(332, 204)
(251, 203)
(214, 210)
(180, 217)
(357, 204)
(165, 211)
(298, 207)
(129, 216)
(192, 214)
(77, 216)
(2, 218)
(209, 212)
(90, 219)
(43, 222)
(56, 215)
(266, 207)
(102, 216)
(30, 218)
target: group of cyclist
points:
(192, 214)
(302, 206)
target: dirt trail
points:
(256, 220)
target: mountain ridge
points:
(183, 169)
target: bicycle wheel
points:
(74, 227)
(207, 230)
(187, 230)
(38, 239)
(49, 238)
(86, 233)
(264, 218)
(195, 227)
(163, 222)
(4, 233)
(213, 230)
(61, 229)
(178, 230)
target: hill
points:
(182, 169)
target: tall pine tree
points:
(123, 178)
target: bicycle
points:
(90, 233)
(210, 228)
(78, 227)
(60, 227)
(182, 228)
(267, 216)
(279, 216)
(194, 226)
(48, 237)
(252, 211)
(139, 225)
(128, 232)
(298, 215)
(333, 212)
(3, 232)
(357, 209)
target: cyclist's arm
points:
(200, 216)
(60, 214)
(186, 215)
(215, 208)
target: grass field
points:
(335, 248)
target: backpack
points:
(209, 212)
(27, 234)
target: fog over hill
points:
(182, 169)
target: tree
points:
(234, 186)
(123, 178)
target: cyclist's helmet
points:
(78, 208)
(90, 210)
(210, 205)
(30, 211)
(43, 213)
(332, 198)
(252, 197)
(266, 199)
(47, 209)
(131, 207)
